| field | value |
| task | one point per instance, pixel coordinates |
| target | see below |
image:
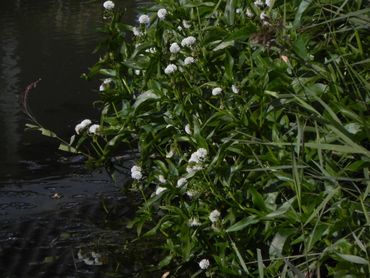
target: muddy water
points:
(52, 40)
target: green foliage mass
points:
(281, 150)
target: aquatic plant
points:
(251, 119)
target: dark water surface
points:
(43, 190)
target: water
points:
(52, 40)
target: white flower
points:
(151, 50)
(174, 48)
(189, 60)
(214, 216)
(186, 24)
(162, 13)
(144, 19)
(204, 264)
(94, 128)
(187, 129)
(198, 156)
(169, 154)
(268, 3)
(259, 3)
(159, 190)
(137, 72)
(192, 169)
(263, 16)
(161, 179)
(181, 182)
(238, 11)
(89, 261)
(216, 91)
(108, 5)
(136, 173)
(234, 89)
(191, 193)
(137, 32)
(171, 68)
(194, 222)
(249, 13)
(179, 28)
(353, 128)
(81, 126)
(105, 84)
(188, 41)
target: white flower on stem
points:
(249, 13)
(194, 222)
(189, 60)
(108, 5)
(137, 72)
(136, 31)
(181, 182)
(263, 16)
(259, 3)
(161, 179)
(162, 13)
(175, 48)
(234, 89)
(214, 216)
(352, 128)
(192, 169)
(186, 24)
(268, 3)
(144, 19)
(188, 41)
(198, 156)
(81, 126)
(216, 91)
(191, 193)
(204, 264)
(169, 154)
(105, 84)
(187, 129)
(179, 28)
(159, 190)
(238, 10)
(94, 129)
(171, 68)
(136, 172)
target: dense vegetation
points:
(252, 124)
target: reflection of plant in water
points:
(251, 123)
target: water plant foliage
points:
(251, 119)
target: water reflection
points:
(52, 40)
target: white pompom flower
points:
(171, 68)
(186, 24)
(188, 41)
(108, 5)
(189, 61)
(268, 3)
(204, 264)
(187, 129)
(82, 125)
(249, 13)
(235, 89)
(259, 3)
(94, 129)
(162, 13)
(137, 33)
(144, 19)
(136, 172)
(214, 216)
(175, 48)
(216, 91)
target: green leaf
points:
(301, 9)
(224, 45)
(353, 259)
(148, 95)
(240, 225)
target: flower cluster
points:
(136, 172)
(108, 5)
